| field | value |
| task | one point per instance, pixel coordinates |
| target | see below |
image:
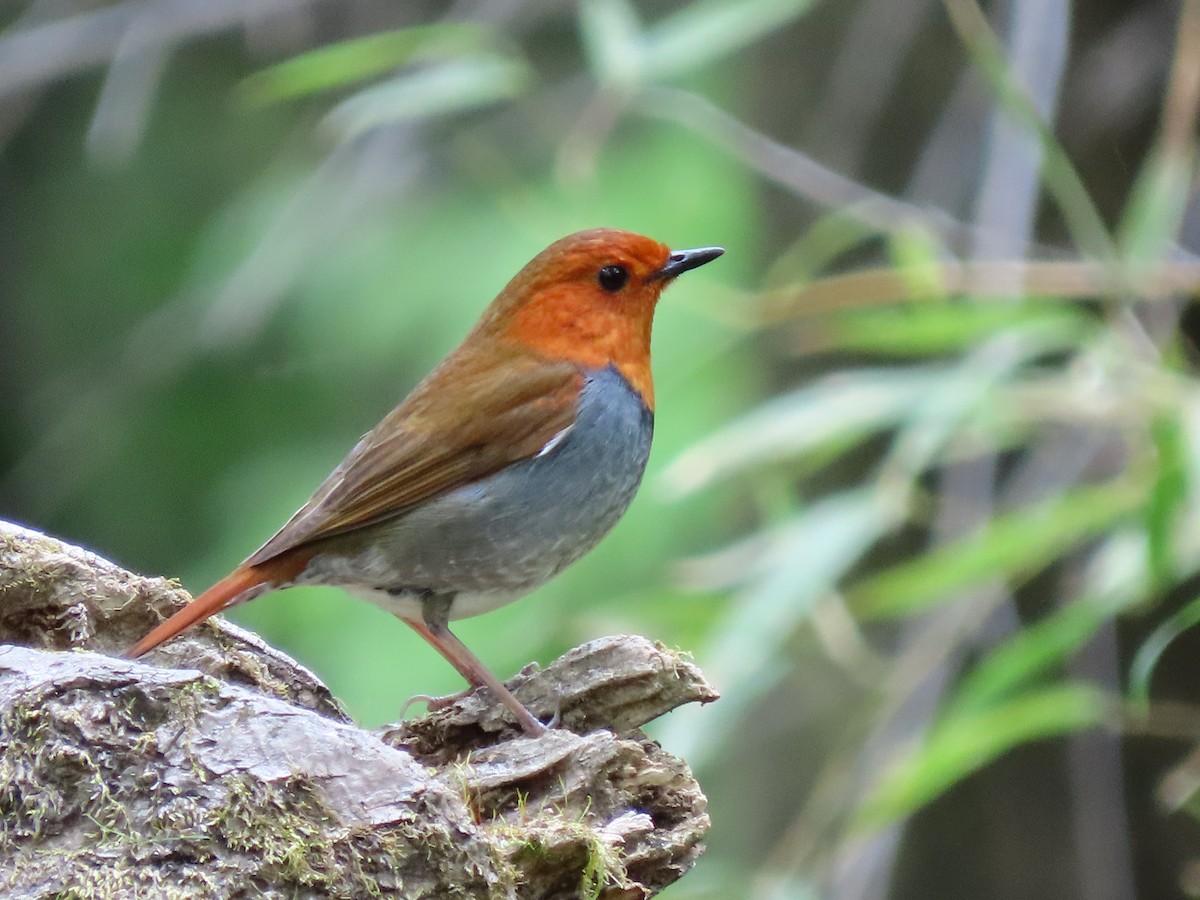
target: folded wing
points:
(474, 414)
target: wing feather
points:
(436, 441)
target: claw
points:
(556, 719)
(417, 698)
(433, 704)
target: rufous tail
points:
(215, 599)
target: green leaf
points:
(916, 254)
(446, 88)
(612, 40)
(1141, 670)
(1154, 213)
(967, 741)
(707, 31)
(1167, 495)
(1114, 579)
(624, 54)
(966, 395)
(804, 561)
(1030, 653)
(831, 236)
(340, 64)
(1010, 547)
(937, 328)
(841, 409)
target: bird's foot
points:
(528, 722)
(433, 704)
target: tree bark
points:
(222, 768)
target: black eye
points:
(613, 278)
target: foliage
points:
(936, 409)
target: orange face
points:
(589, 298)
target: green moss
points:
(73, 756)
(46, 778)
(551, 843)
(52, 778)
(282, 825)
(293, 835)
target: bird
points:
(509, 461)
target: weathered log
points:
(222, 768)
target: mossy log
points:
(222, 768)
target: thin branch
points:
(1059, 280)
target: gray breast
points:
(514, 530)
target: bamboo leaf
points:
(705, 32)
(1167, 495)
(449, 87)
(969, 740)
(1028, 654)
(844, 408)
(347, 62)
(1154, 213)
(1011, 547)
(917, 256)
(808, 556)
(612, 40)
(624, 54)
(941, 327)
(1141, 670)
(1114, 579)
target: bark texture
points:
(222, 768)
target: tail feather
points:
(211, 602)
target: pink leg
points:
(439, 636)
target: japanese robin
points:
(507, 463)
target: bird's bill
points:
(681, 260)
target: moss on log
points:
(222, 768)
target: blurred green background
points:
(926, 480)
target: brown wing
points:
(435, 441)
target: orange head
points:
(589, 298)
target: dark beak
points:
(681, 260)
